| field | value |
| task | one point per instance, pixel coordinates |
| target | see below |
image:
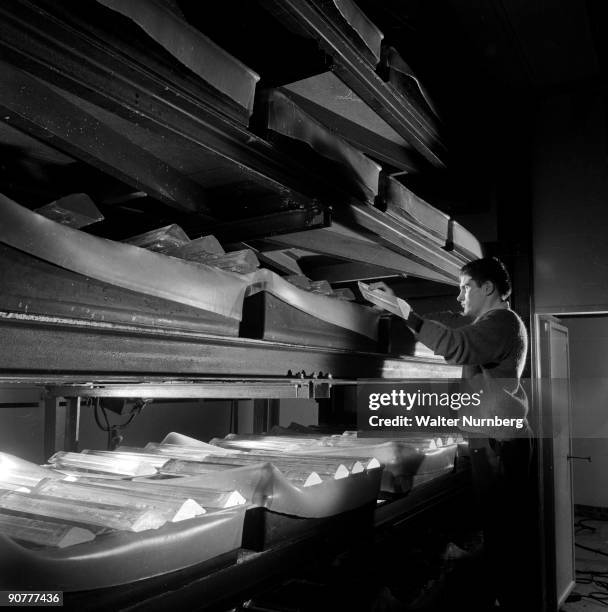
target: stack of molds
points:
(87, 524)
(407, 461)
(230, 84)
(47, 268)
(281, 312)
(295, 131)
(185, 460)
(302, 486)
(294, 494)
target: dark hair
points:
(489, 269)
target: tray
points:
(121, 558)
(463, 242)
(398, 200)
(264, 485)
(285, 511)
(151, 275)
(214, 66)
(33, 286)
(266, 528)
(406, 462)
(295, 131)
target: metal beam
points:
(268, 225)
(29, 105)
(196, 389)
(361, 249)
(350, 272)
(72, 425)
(39, 348)
(50, 425)
(265, 415)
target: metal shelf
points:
(198, 389)
(38, 348)
(350, 66)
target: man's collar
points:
(501, 306)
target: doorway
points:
(588, 356)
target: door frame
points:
(543, 422)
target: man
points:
(490, 341)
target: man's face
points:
(471, 296)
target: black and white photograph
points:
(304, 305)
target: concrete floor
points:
(590, 561)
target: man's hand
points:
(383, 296)
(381, 286)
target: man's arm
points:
(486, 341)
(449, 318)
(382, 296)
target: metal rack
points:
(59, 80)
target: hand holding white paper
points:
(386, 301)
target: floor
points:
(591, 567)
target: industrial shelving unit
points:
(85, 87)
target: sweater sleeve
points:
(487, 340)
(448, 318)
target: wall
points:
(588, 337)
(22, 423)
(304, 412)
(201, 419)
(570, 216)
(570, 246)
(301, 411)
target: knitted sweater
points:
(492, 350)
(494, 345)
